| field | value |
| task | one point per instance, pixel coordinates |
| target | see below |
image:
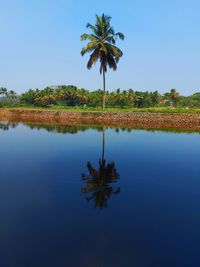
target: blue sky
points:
(40, 44)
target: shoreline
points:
(142, 120)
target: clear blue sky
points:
(40, 44)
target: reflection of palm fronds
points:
(98, 183)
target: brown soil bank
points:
(119, 119)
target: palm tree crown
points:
(101, 45)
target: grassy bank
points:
(98, 109)
(147, 118)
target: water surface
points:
(96, 197)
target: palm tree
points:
(173, 97)
(11, 94)
(102, 46)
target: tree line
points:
(72, 96)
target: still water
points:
(95, 197)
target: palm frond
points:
(106, 18)
(120, 35)
(86, 36)
(110, 39)
(103, 65)
(92, 27)
(93, 58)
(111, 62)
(110, 31)
(115, 51)
(89, 48)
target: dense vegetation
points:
(7, 98)
(71, 96)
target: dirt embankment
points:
(120, 119)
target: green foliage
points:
(69, 96)
(7, 98)
(29, 97)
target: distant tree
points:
(3, 91)
(29, 97)
(173, 96)
(156, 98)
(95, 98)
(7, 97)
(195, 97)
(11, 95)
(102, 46)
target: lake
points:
(80, 196)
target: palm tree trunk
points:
(104, 89)
(103, 144)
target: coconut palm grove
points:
(65, 96)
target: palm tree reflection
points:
(99, 182)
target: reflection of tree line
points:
(5, 126)
(64, 129)
(54, 128)
(73, 129)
